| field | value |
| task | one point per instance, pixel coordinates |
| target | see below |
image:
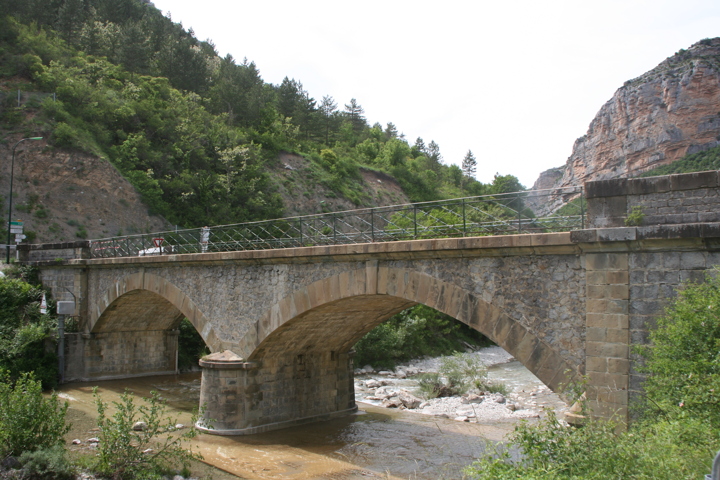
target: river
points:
(376, 442)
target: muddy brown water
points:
(374, 443)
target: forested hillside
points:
(205, 140)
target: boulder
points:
(409, 400)
(392, 402)
(139, 426)
(472, 398)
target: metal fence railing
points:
(500, 214)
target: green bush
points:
(124, 453)
(683, 360)
(457, 374)
(24, 331)
(48, 463)
(28, 420)
(678, 433)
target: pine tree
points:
(469, 164)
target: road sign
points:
(20, 237)
(158, 242)
(16, 227)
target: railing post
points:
(301, 232)
(415, 221)
(372, 224)
(582, 208)
(334, 230)
(517, 205)
(464, 221)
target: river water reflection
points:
(375, 443)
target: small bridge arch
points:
(144, 301)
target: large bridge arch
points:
(334, 313)
(142, 301)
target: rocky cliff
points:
(655, 119)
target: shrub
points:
(458, 373)
(682, 359)
(47, 463)
(124, 453)
(28, 420)
(679, 431)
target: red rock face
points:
(653, 120)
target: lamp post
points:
(12, 170)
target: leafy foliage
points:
(677, 435)
(683, 359)
(458, 374)
(24, 331)
(48, 463)
(28, 420)
(696, 162)
(191, 346)
(552, 450)
(124, 453)
(412, 333)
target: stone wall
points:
(104, 356)
(668, 200)
(53, 252)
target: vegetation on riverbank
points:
(677, 432)
(414, 333)
(27, 340)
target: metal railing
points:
(500, 214)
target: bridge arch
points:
(142, 301)
(334, 313)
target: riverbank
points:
(526, 397)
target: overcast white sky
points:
(516, 82)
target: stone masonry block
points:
(691, 181)
(644, 186)
(612, 381)
(382, 280)
(596, 364)
(604, 349)
(618, 365)
(606, 188)
(606, 261)
(619, 234)
(603, 305)
(606, 320)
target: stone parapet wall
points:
(53, 252)
(668, 200)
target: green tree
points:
(469, 165)
(356, 114)
(328, 108)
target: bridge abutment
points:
(111, 355)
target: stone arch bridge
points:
(281, 323)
